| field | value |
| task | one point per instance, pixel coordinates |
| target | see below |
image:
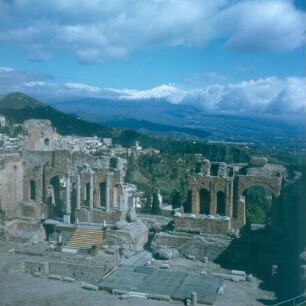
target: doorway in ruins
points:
(56, 192)
(32, 190)
(221, 203)
(258, 208)
(102, 189)
(204, 201)
(258, 204)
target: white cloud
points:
(269, 95)
(263, 26)
(105, 30)
(6, 69)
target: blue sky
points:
(143, 44)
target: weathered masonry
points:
(219, 187)
(72, 184)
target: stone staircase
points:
(84, 239)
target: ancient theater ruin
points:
(62, 186)
(75, 210)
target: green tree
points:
(176, 200)
(148, 200)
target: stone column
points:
(78, 191)
(91, 186)
(109, 176)
(121, 203)
(68, 201)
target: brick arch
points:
(275, 191)
(50, 175)
(273, 184)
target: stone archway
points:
(258, 203)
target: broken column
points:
(194, 298)
(78, 191)
(109, 176)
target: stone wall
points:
(11, 180)
(31, 266)
(80, 269)
(88, 272)
(199, 246)
(130, 236)
(207, 225)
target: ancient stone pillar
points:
(68, 201)
(78, 191)
(108, 187)
(121, 202)
(91, 187)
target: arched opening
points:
(102, 189)
(32, 190)
(221, 203)
(204, 202)
(46, 142)
(258, 202)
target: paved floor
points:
(177, 285)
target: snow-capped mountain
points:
(166, 92)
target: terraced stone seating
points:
(84, 239)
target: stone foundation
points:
(99, 216)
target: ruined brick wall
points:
(206, 225)
(40, 135)
(218, 183)
(91, 271)
(213, 185)
(11, 180)
(86, 272)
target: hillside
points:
(18, 107)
